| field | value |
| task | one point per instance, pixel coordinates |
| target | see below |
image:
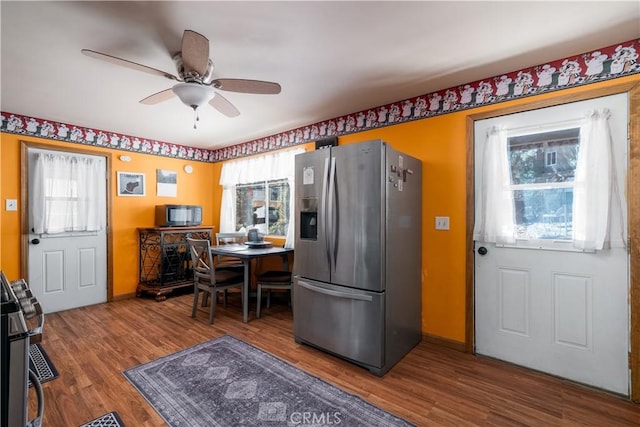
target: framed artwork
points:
(131, 184)
(167, 183)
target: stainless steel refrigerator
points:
(357, 264)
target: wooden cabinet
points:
(165, 262)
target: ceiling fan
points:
(196, 84)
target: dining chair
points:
(272, 279)
(209, 280)
(228, 262)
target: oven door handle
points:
(37, 421)
(35, 334)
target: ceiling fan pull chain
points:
(196, 118)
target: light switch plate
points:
(442, 223)
(11, 205)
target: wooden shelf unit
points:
(164, 259)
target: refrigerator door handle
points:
(333, 293)
(323, 208)
(331, 234)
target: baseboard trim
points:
(444, 342)
(121, 297)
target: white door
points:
(68, 269)
(538, 302)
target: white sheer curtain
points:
(278, 165)
(68, 194)
(595, 193)
(495, 214)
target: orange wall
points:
(441, 145)
(128, 213)
(440, 142)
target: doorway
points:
(66, 267)
(565, 288)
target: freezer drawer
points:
(343, 321)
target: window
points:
(67, 195)
(263, 205)
(260, 186)
(551, 158)
(62, 204)
(574, 204)
(543, 169)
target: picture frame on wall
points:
(167, 183)
(131, 184)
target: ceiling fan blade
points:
(247, 86)
(221, 104)
(195, 52)
(128, 64)
(158, 97)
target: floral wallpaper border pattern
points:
(607, 63)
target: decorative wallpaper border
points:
(604, 64)
(25, 125)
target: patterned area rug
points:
(227, 382)
(112, 419)
(40, 363)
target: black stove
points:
(19, 311)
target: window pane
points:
(278, 208)
(544, 211)
(544, 214)
(249, 199)
(264, 206)
(544, 157)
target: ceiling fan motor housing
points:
(193, 76)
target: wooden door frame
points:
(633, 192)
(24, 202)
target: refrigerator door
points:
(403, 301)
(356, 211)
(347, 322)
(311, 237)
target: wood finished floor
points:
(431, 386)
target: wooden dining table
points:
(247, 254)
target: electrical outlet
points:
(11, 205)
(442, 223)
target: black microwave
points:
(178, 215)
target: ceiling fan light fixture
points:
(193, 95)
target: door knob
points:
(482, 250)
(35, 241)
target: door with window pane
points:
(67, 253)
(539, 301)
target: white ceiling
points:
(331, 58)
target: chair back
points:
(229, 239)
(202, 261)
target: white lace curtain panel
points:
(279, 165)
(596, 194)
(496, 224)
(68, 194)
